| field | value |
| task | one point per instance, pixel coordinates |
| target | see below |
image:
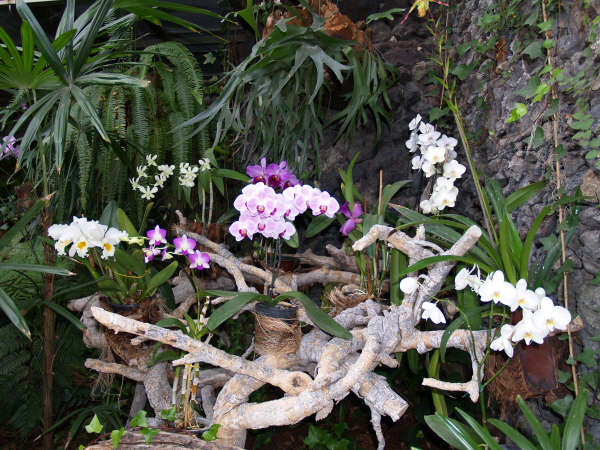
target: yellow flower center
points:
(528, 335)
(108, 246)
(81, 245)
(496, 294)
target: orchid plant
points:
(121, 275)
(268, 206)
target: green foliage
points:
(211, 433)
(277, 94)
(472, 435)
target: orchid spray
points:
(436, 157)
(269, 206)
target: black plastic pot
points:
(276, 312)
(119, 307)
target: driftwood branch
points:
(323, 369)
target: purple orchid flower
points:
(184, 245)
(258, 172)
(150, 253)
(353, 217)
(277, 174)
(157, 236)
(199, 260)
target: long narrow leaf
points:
(436, 259)
(61, 119)
(481, 431)
(89, 111)
(317, 315)
(90, 34)
(517, 198)
(36, 268)
(14, 315)
(62, 311)
(536, 426)
(42, 40)
(21, 224)
(455, 325)
(522, 442)
(572, 430)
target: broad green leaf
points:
(211, 433)
(125, 223)
(229, 308)
(14, 315)
(506, 252)
(317, 315)
(534, 49)
(130, 262)
(453, 432)
(94, 426)
(389, 191)
(521, 441)
(518, 111)
(318, 224)
(171, 322)
(139, 420)
(293, 241)
(148, 434)
(169, 414)
(572, 430)
(161, 277)
(115, 437)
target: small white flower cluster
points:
(149, 191)
(437, 157)
(85, 234)
(540, 315)
(188, 172)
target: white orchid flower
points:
(528, 331)
(151, 160)
(434, 154)
(141, 171)
(525, 298)
(433, 313)
(503, 342)
(409, 285)
(425, 128)
(551, 316)
(166, 170)
(453, 169)
(495, 289)
(413, 124)
(148, 192)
